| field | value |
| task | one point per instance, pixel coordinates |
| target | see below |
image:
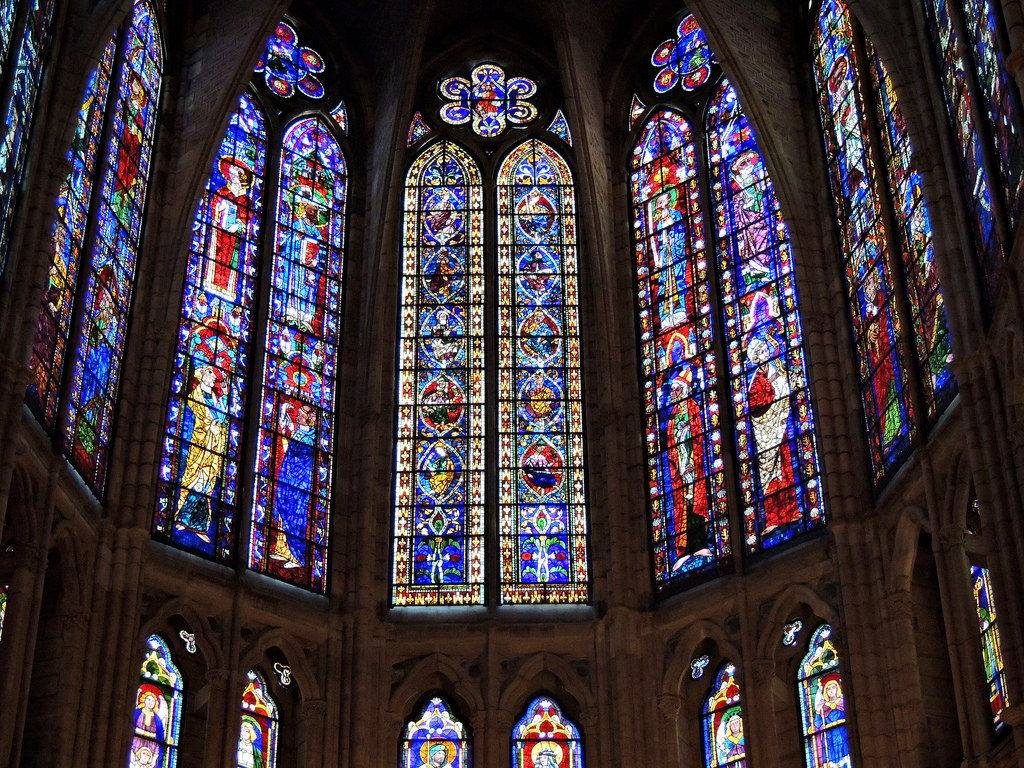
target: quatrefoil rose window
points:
(288, 67)
(684, 60)
(488, 99)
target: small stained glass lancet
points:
(295, 445)
(488, 99)
(545, 738)
(438, 556)
(159, 700)
(257, 734)
(110, 276)
(541, 497)
(53, 323)
(778, 465)
(289, 67)
(435, 739)
(725, 744)
(820, 688)
(198, 485)
(419, 129)
(991, 644)
(686, 486)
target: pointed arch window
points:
(100, 211)
(3, 607)
(26, 34)
(198, 484)
(725, 744)
(991, 644)
(200, 490)
(894, 300)
(823, 711)
(545, 738)
(159, 699)
(439, 482)
(295, 445)
(435, 739)
(541, 507)
(257, 735)
(747, 253)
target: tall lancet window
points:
(725, 744)
(436, 739)
(745, 251)
(823, 710)
(545, 738)
(257, 732)
(439, 479)
(158, 704)
(204, 482)
(542, 515)
(467, 281)
(895, 302)
(26, 32)
(991, 644)
(100, 211)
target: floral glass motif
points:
(724, 738)
(545, 738)
(686, 485)
(438, 553)
(436, 739)
(778, 465)
(924, 294)
(53, 323)
(19, 107)
(791, 631)
(419, 129)
(340, 117)
(684, 60)
(110, 276)
(295, 445)
(991, 644)
(197, 498)
(820, 688)
(698, 665)
(960, 111)
(257, 733)
(560, 127)
(288, 67)
(159, 700)
(488, 99)
(541, 498)
(999, 98)
(885, 393)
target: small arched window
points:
(725, 743)
(991, 644)
(200, 488)
(435, 739)
(823, 710)
(545, 738)
(26, 34)
(100, 212)
(156, 719)
(257, 735)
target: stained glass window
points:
(725, 743)
(19, 106)
(436, 739)
(777, 456)
(878, 332)
(159, 699)
(960, 110)
(419, 129)
(924, 294)
(560, 127)
(546, 738)
(257, 734)
(489, 99)
(439, 456)
(689, 520)
(53, 323)
(110, 276)
(822, 704)
(3, 608)
(295, 446)
(541, 499)
(991, 645)
(289, 67)
(198, 485)
(684, 60)
(340, 117)
(636, 111)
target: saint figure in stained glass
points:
(991, 644)
(257, 733)
(156, 718)
(725, 744)
(544, 738)
(435, 739)
(823, 704)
